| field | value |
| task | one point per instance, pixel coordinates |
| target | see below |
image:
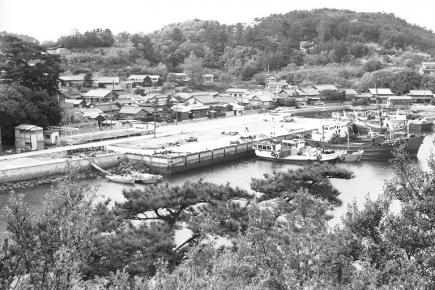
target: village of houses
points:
(113, 108)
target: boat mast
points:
(323, 138)
(379, 107)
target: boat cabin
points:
(284, 145)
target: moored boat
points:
(377, 148)
(294, 151)
(121, 178)
(146, 178)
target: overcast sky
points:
(48, 19)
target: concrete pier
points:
(218, 140)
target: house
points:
(114, 88)
(399, 102)
(184, 111)
(99, 96)
(77, 103)
(160, 101)
(327, 87)
(427, 68)
(108, 108)
(29, 137)
(102, 82)
(350, 93)
(134, 113)
(261, 99)
(134, 80)
(71, 80)
(381, 94)
(91, 113)
(270, 79)
(307, 94)
(306, 46)
(237, 93)
(208, 78)
(181, 77)
(421, 96)
(277, 85)
(204, 99)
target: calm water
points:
(368, 182)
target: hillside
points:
(359, 42)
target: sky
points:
(49, 19)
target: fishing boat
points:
(375, 146)
(378, 147)
(121, 178)
(294, 151)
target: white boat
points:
(121, 178)
(294, 151)
(145, 178)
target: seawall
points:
(49, 168)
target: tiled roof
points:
(381, 91)
(131, 110)
(80, 77)
(97, 93)
(308, 91)
(327, 87)
(420, 93)
(107, 107)
(107, 80)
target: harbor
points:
(180, 147)
(167, 153)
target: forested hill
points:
(273, 42)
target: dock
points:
(170, 152)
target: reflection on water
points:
(368, 182)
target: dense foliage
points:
(279, 240)
(90, 39)
(343, 45)
(29, 86)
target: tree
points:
(314, 178)
(88, 81)
(145, 47)
(404, 81)
(51, 251)
(29, 65)
(192, 66)
(147, 82)
(20, 105)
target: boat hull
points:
(297, 159)
(374, 151)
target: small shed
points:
(51, 136)
(29, 137)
